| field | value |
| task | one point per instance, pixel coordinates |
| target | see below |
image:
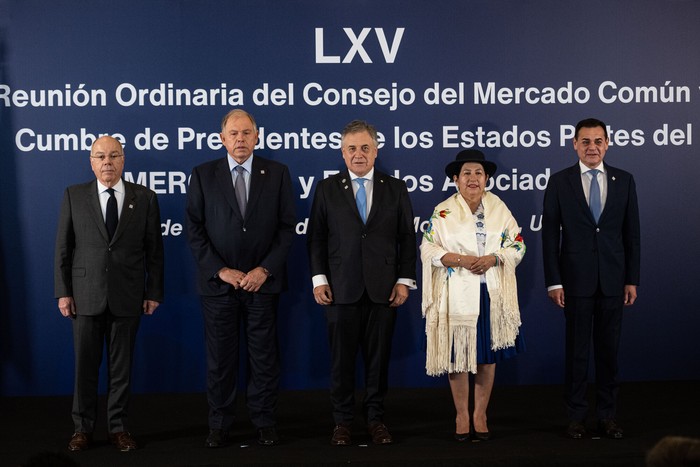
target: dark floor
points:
(526, 423)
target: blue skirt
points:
(484, 354)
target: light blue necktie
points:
(239, 188)
(361, 199)
(594, 196)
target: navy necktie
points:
(594, 201)
(241, 196)
(361, 199)
(111, 216)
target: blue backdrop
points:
(509, 77)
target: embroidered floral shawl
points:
(451, 295)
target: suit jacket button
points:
(244, 229)
(597, 229)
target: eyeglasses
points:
(110, 157)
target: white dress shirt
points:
(104, 196)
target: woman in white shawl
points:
(470, 301)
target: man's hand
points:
(557, 296)
(323, 294)
(232, 276)
(149, 306)
(630, 294)
(399, 295)
(66, 305)
(252, 281)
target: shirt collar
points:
(247, 165)
(584, 168)
(368, 176)
(119, 187)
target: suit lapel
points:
(258, 176)
(612, 194)
(127, 211)
(346, 189)
(96, 209)
(577, 189)
(378, 193)
(225, 180)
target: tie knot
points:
(110, 191)
(594, 172)
(239, 169)
(361, 181)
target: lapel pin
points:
(342, 181)
(262, 172)
(613, 178)
(346, 187)
(131, 206)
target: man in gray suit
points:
(108, 272)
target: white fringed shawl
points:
(451, 296)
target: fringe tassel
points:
(443, 342)
(505, 310)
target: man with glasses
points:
(108, 272)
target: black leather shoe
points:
(609, 428)
(217, 439)
(341, 436)
(268, 436)
(123, 441)
(461, 437)
(482, 436)
(379, 433)
(80, 441)
(575, 430)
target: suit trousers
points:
(90, 335)
(600, 318)
(223, 317)
(368, 327)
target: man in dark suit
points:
(362, 254)
(108, 272)
(240, 226)
(591, 247)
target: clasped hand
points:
(250, 282)
(474, 264)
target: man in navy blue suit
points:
(240, 226)
(591, 248)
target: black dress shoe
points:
(268, 436)
(575, 430)
(461, 437)
(80, 441)
(123, 441)
(217, 439)
(379, 433)
(341, 436)
(482, 436)
(609, 428)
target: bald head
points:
(107, 160)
